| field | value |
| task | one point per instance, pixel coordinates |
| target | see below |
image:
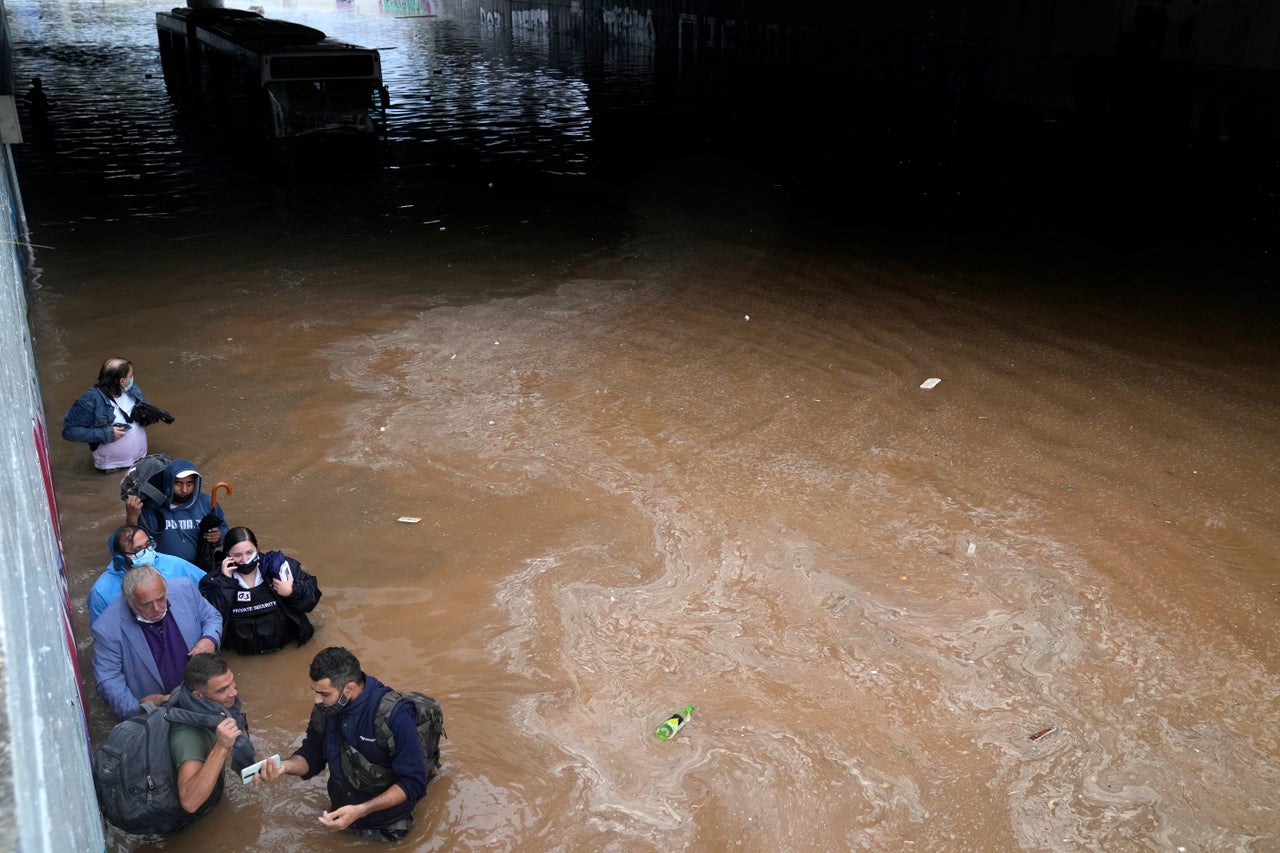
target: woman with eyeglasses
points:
(264, 597)
(102, 418)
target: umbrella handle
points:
(216, 486)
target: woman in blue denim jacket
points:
(102, 418)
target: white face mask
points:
(146, 621)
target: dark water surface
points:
(652, 384)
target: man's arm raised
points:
(197, 779)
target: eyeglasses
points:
(149, 543)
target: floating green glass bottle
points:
(674, 723)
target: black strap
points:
(128, 416)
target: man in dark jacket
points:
(373, 792)
(175, 524)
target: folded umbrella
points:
(206, 551)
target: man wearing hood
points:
(372, 792)
(176, 523)
(132, 546)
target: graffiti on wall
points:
(631, 26)
(40, 440)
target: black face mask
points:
(336, 707)
(248, 568)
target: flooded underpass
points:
(668, 443)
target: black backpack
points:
(146, 478)
(133, 771)
(368, 777)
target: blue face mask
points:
(145, 557)
(129, 387)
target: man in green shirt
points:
(200, 754)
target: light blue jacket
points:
(106, 588)
(124, 670)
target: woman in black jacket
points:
(264, 598)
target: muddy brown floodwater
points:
(684, 457)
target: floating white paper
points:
(408, 519)
(931, 382)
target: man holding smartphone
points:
(374, 780)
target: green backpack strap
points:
(382, 720)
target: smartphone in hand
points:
(247, 774)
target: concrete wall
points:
(1201, 74)
(1242, 34)
(46, 787)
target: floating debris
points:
(674, 723)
